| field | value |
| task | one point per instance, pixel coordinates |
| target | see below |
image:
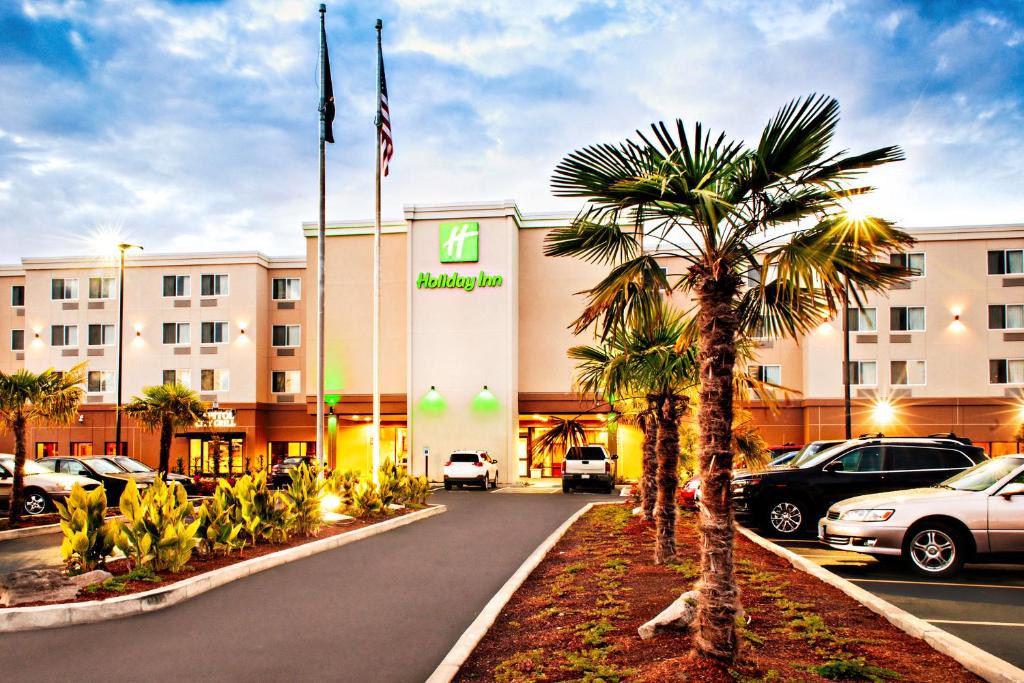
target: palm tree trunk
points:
(166, 432)
(649, 480)
(667, 417)
(18, 485)
(718, 601)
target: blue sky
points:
(193, 126)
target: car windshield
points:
(131, 464)
(782, 459)
(585, 453)
(30, 467)
(464, 457)
(818, 457)
(980, 477)
(105, 466)
(294, 461)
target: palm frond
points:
(631, 288)
(565, 434)
(597, 241)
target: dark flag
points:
(326, 108)
(387, 147)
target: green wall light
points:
(332, 399)
(486, 402)
(432, 401)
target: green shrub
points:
(303, 493)
(340, 484)
(365, 499)
(218, 531)
(854, 669)
(392, 487)
(88, 535)
(265, 515)
(419, 490)
(156, 531)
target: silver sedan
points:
(977, 515)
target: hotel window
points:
(47, 449)
(178, 377)
(214, 333)
(911, 260)
(1003, 262)
(907, 372)
(17, 340)
(109, 448)
(98, 382)
(285, 382)
(63, 288)
(767, 373)
(1006, 371)
(287, 288)
(176, 333)
(863, 373)
(81, 449)
(101, 335)
(863, 320)
(1008, 317)
(64, 335)
(285, 335)
(214, 380)
(214, 285)
(101, 287)
(177, 285)
(906, 318)
(18, 295)
(755, 276)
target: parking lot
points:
(984, 604)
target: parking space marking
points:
(937, 583)
(974, 623)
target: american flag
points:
(387, 147)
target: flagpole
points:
(376, 279)
(321, 239)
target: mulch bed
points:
(200, 564)
(576, 618)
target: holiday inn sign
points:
(459, 243)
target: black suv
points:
(790, 500)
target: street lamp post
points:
(122, 248)
(846, 360)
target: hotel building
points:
(474, 337)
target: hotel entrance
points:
(216, 454)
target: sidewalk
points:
(28, 553)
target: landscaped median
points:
(165, 549)
(577, 615)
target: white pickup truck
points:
(588, 467)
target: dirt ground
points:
(576, 619)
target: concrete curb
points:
(70, 614)
(29, 531)
(471, 637)
(971, 657)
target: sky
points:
(193, 125)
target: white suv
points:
(470, 467)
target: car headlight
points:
(866, 515)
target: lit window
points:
(178, 377)
(909, 372)
(214, 380)
(285, 382)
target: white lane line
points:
(974, 623)
(939, 583)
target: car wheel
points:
(35, 503)
(935, 550)
(786, 517)
(566, 487)
(447, 486)
(494, 482)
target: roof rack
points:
(947, 436)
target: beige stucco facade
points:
(510, 336)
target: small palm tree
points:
(28, 398)
(166, 407)
(725, 211)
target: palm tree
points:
(168, 407)
(28, 398)
(726, 210)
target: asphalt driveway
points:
(984, 604)
(384, 609)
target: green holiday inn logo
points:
(460, 242)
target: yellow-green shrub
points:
(303, 493)
(218, 531)
(365, 498)
(88, 534)
(341, 484)
(156, 530)
(419, 490)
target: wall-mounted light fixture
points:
(432, 401)
(485, 401)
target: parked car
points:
(103, 470)
(588, 467)
(810, 450)
(787, 500)
(279, 471)
(470, 467)
(42, 486)
(149, 474)
(977, 515)
(689, 493)
(783, 449)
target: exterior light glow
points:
(332, 399)
(432, 401)
(883, 412)
(485, 401)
